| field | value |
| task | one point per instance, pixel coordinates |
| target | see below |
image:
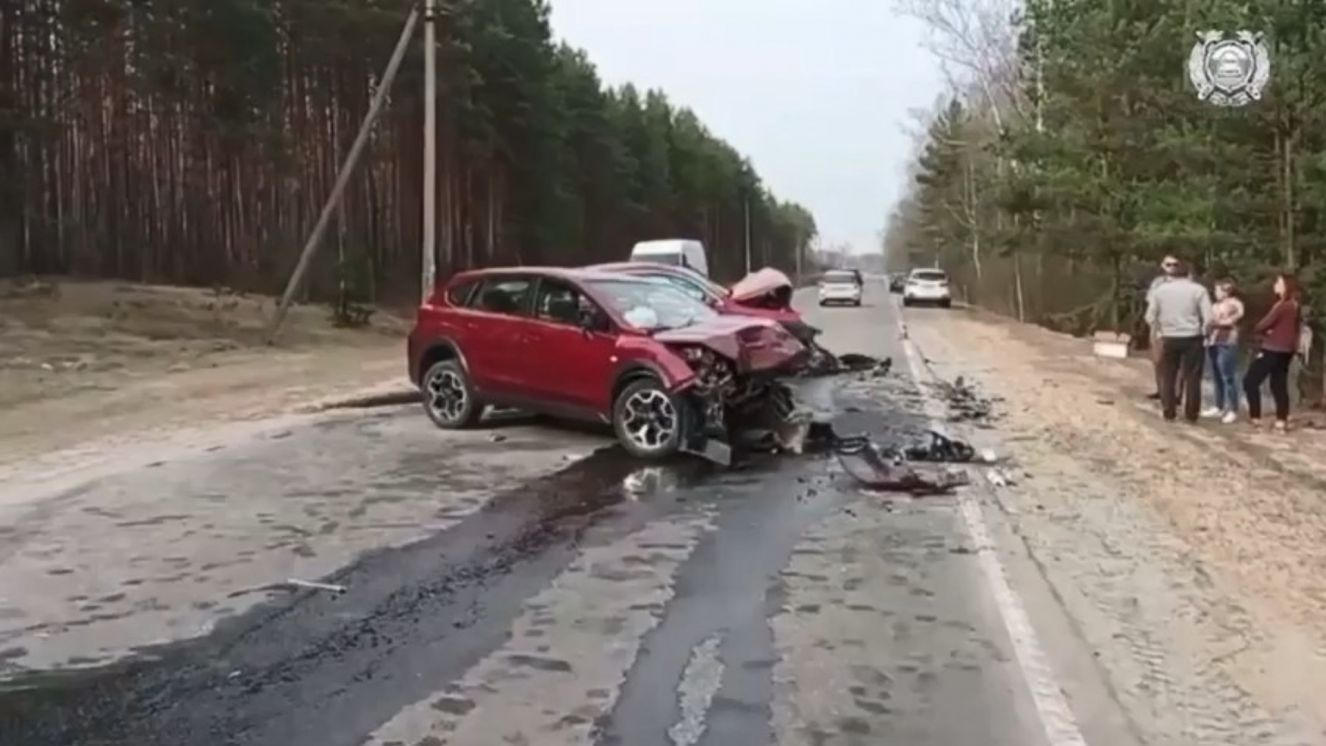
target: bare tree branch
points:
(975, 40)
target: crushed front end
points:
(732, 405)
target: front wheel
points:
(648, 420)
(449, 397)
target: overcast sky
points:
(815, 92)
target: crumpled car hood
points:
(756, 345)
(760, 283)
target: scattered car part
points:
(940, 449)
(964, 403)
(865, 463)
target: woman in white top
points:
(1222, 349)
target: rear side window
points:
(461, 294)
(509, 295)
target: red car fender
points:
(671, 368)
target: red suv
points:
(664, 369)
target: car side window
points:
(506, 295)
(558, 302)
(462, 295)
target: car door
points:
(492, 327)
(569, 366)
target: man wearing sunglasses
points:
(1179, 310)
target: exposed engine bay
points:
(725, 403)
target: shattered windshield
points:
(652, 304)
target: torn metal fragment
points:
(865, 463)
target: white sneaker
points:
(1211, 413)
(1230, 418)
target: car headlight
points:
(695, 355)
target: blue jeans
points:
(1225, 372)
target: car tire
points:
(907, 302)
(448, 396)
(648, 421)
(946, 304)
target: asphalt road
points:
(604, 604)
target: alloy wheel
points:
(649, 419)
(446, 395)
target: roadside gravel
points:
(1188, 557)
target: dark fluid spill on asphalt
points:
(321, 669)
(724, 589)
(731, 586)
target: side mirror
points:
(593, 320)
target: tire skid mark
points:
(567, 652)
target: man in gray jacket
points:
(1166, 270)
(1179, 312)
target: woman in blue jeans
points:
(1222, 348)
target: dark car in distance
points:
(663, 368)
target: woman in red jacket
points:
(1278, 333)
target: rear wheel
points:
(907, 302)
(449, 397)
(946, 303)
(648, 420)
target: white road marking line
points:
(1057, 718)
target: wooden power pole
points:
(429, 265)
(748, 235)
(343, 176)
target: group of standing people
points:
(1188, 330)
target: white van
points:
(676, 252)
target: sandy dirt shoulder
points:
(88, 367)
(1188, 557)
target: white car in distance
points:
(927, 286)
(840, 286)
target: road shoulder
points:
(1183, 580)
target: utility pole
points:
(429, 265)
(748, 235)
(800, 249)
(343, 177)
